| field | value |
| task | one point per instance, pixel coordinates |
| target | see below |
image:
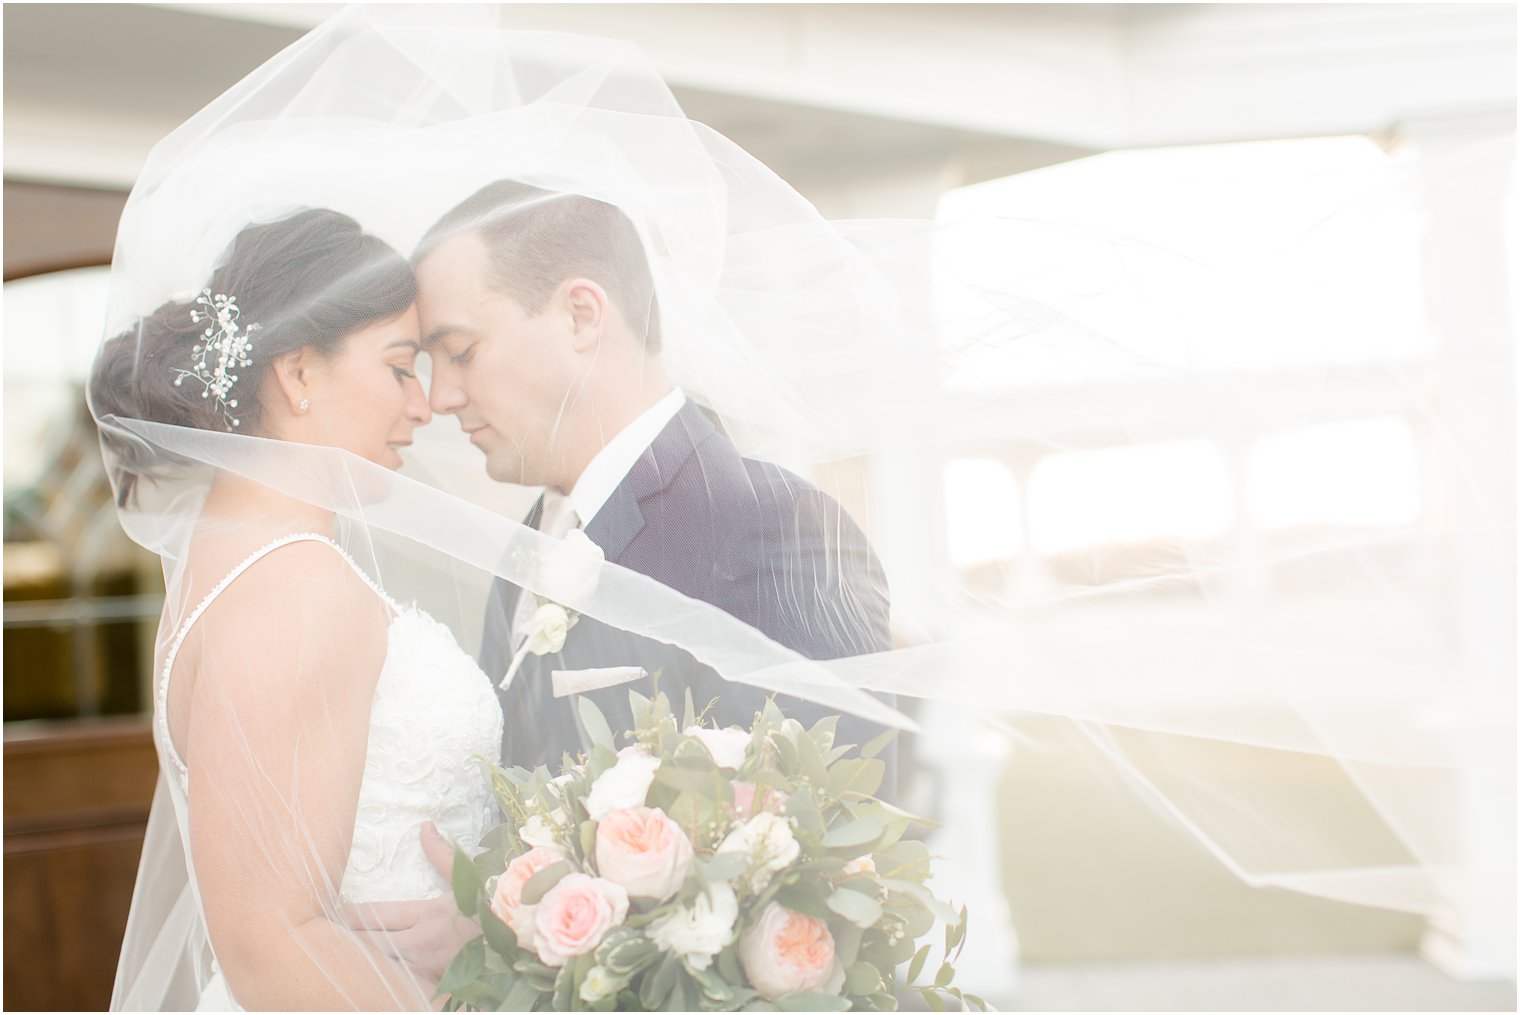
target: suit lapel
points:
(621, 518)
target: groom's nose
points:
(445, 394)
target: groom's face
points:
(505, 372)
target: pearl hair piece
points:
(221, 351)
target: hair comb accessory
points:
(222, 350)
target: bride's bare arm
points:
(277, 734)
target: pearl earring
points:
(305, 404)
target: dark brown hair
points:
(538, 238)
(308, 281)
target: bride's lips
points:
(475, 433)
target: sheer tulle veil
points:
(841, 351)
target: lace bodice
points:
(433, 716)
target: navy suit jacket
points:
(744, 535)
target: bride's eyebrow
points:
(405, 342)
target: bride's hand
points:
(425, 934)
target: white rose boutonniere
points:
(569, 574)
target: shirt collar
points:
(616, 459)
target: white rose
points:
(767, 840)
(727, 746)
(624, 785)
(540, 831)
(547, 629)
(700, 931)
(569, 574)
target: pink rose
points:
(748, 796)
(643, 850)
(506, 901)
(785, 951)
(575, 915)
(727, 746)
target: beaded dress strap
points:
(162, 700)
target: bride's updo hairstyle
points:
(307, 281)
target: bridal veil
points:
(839, 350)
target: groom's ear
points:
(586, 303)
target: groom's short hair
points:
(537, 238)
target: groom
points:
(539, 312)
(541, 318)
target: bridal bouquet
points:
(701, 869)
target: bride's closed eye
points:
(403, 374)
(463, 358)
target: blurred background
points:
(1145, 119)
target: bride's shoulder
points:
(281, 591)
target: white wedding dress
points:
(433, 716)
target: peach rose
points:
(643, 850)
(506, 901)
(575, 915)
(860, 865)
(785, 951)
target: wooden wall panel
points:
(76, 805)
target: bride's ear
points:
(292, 379)
(586, 304)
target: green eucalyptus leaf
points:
(687, 780)
(853, 834)
(811, 760)
(878, 743)
(594, 722)
(932, 998)
(945, 975)
(786, 750)
(539, 884)
(468, 885)
(917, 921)
(588, 838)
(522, 997)
(728, 965)
(497, 934)
(639, 708)
(862, 978)
(859, 909)
(810, 898)
(657, 985)
(683, 995)
(847, 943)
(812, 1000)
(917, 965)
(824, 731)
(725, 866)
(467, 965)
(859, 775)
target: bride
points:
(300, 763)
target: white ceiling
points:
(825, 93)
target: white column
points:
(1466, 173)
